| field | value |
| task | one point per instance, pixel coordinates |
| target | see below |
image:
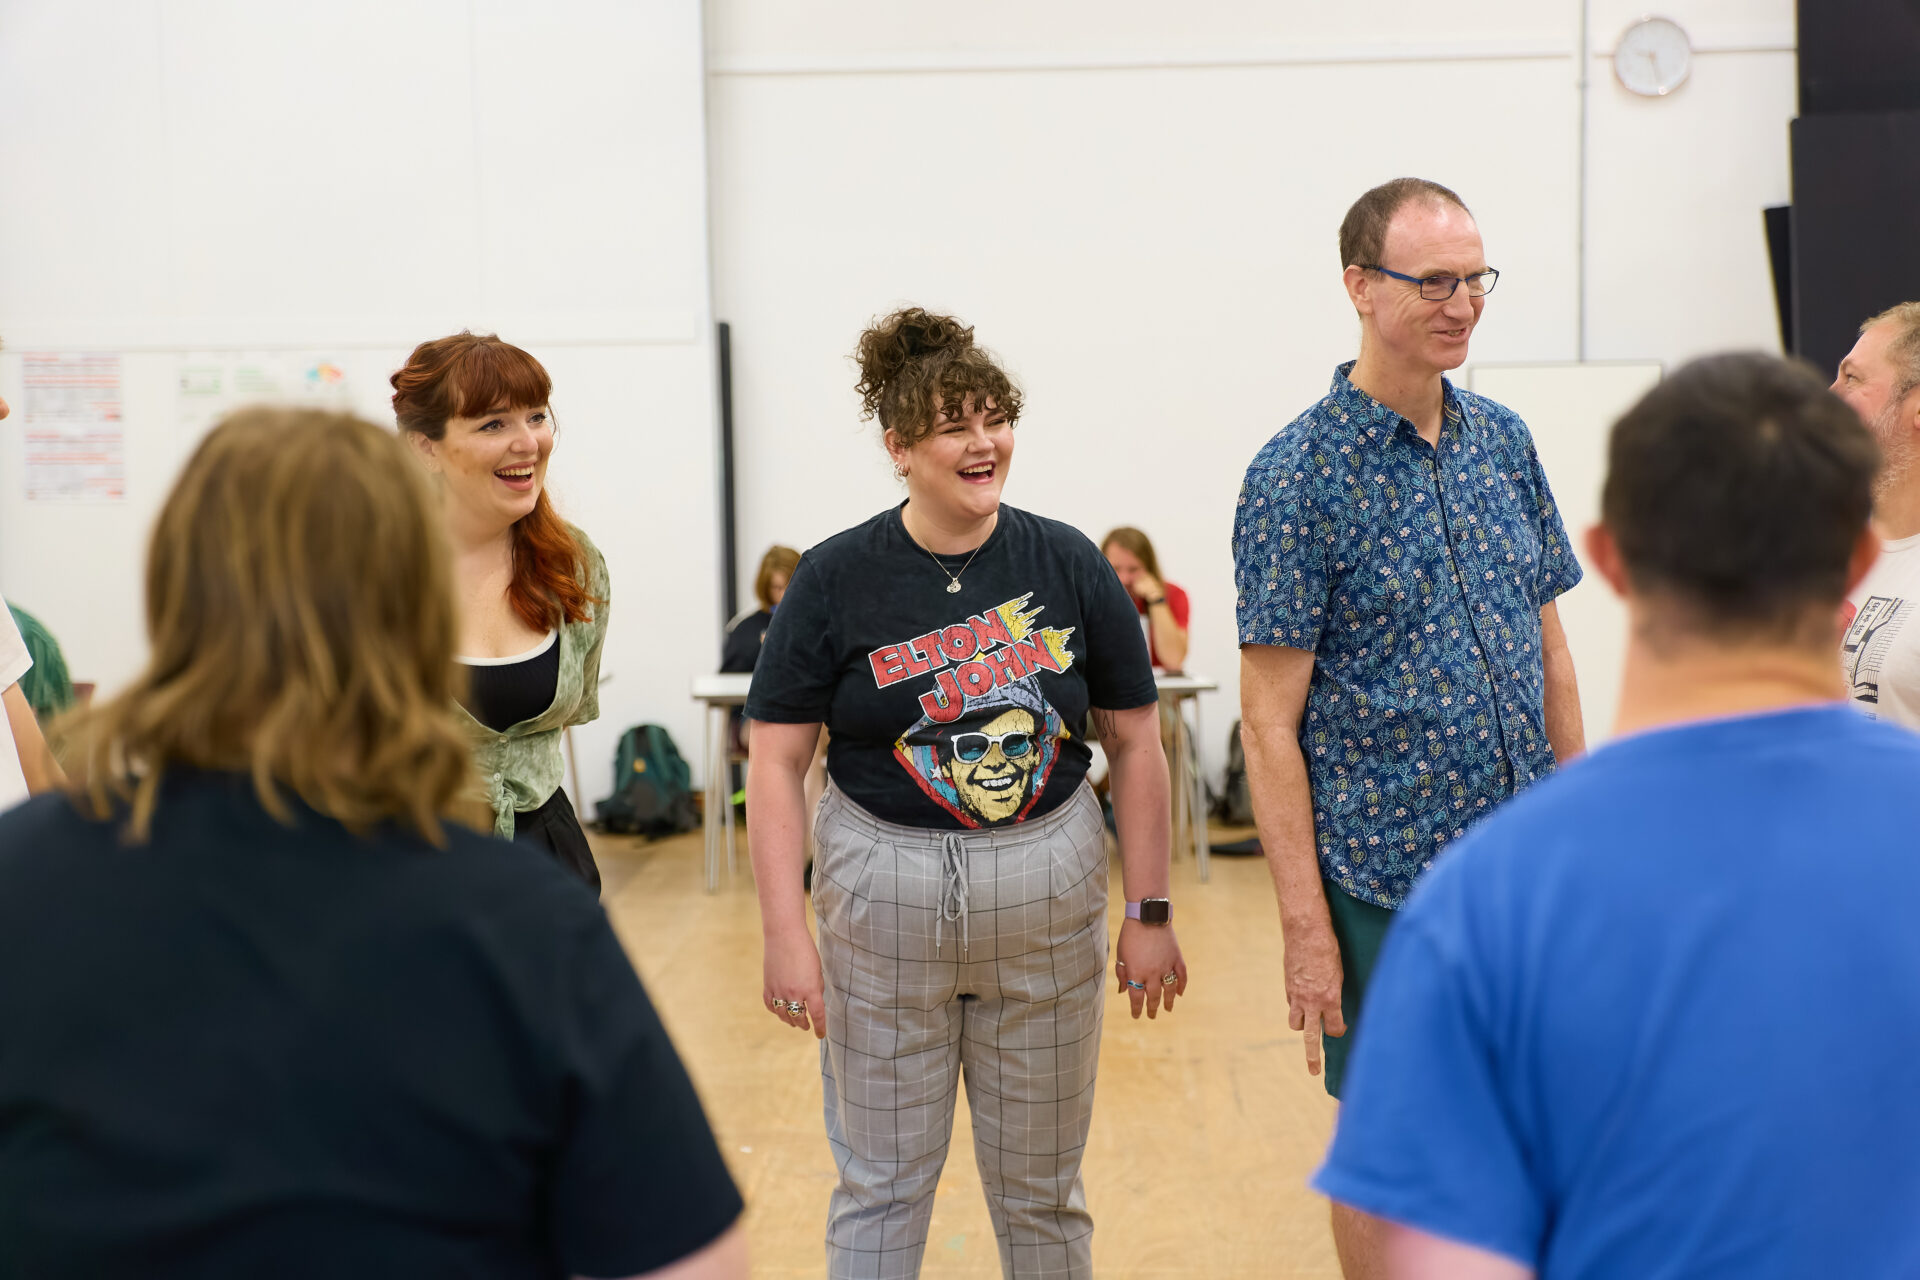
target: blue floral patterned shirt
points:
(1416, 577)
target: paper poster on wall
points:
(76, 446)
(213, 384)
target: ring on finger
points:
(1137, 986)
(1169, 979)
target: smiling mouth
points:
(515, 474)
(977, 474)
(994, 784)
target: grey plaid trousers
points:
(981, 953)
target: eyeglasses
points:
(973, 747)
(1440, 288)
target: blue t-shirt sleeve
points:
(1426, 1136)
(1280, 571)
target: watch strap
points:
(1151, 911)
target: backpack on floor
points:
(1236, 805)
(652, 786)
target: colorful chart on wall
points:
(72, 427)
(214, 384)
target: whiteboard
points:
(1571, 408)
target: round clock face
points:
(1653, 57)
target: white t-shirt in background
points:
(1880, 653)
(15, 662)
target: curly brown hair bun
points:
(913, 363)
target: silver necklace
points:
(953, 579)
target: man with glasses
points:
(1397, 555)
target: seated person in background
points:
(744, 634)
(271, 1010)
(48, 686)
(26, 766)
(742, 650)
(1658, 1014)
(1163, 606)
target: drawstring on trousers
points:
(953, 889)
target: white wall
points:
(1138, 208)
(349, 179)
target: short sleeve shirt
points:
(1416, 577)
(248, 1048)
(1880, 647)
(1658, 1017)
(948, 709)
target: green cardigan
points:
(48, 687)
(522, 767)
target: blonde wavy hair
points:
(301, 619)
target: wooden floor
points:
(1205, 1131)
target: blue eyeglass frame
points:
(1422, 281)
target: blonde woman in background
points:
(1164, 611)
(746, 633)
(272, 1009)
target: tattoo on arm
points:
(1106, 726)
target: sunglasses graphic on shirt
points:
(973, 747)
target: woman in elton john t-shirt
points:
(956, 650)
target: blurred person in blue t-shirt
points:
(1659, 1015)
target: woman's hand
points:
(792, 976)
(1147, 954)
(1146, 587)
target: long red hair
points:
(467, 375)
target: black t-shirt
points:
(244, 1049)
(744, 638)
(951, 710)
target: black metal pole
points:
(729, 535)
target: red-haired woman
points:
(532, 589)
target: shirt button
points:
(496, 777)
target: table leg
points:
(711, 817)
(1177, 778)
(1202, 852)
(726, 782)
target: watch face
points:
(1155, 911)
(1653, 57)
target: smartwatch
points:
(1151, 911)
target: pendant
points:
(953, 588)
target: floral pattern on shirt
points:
(1416, 577)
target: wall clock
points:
(1652, 57)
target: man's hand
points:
(1273, 697)
(1314, 975)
